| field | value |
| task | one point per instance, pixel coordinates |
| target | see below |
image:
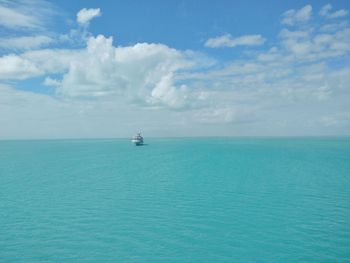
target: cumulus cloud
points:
(15, 67)
(140, 72)
(165, 92)
(25, 42)
(228, 41)
(144, 72)
(326, 12)
(52, 61)
(85, 15)
(37, 63)
(292, 16)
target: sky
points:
(108, 69)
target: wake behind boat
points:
(137, 139)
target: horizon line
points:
(179, 137)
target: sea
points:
(175, 200)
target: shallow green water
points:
(175, 200)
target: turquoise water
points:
(175, 200)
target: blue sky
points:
(71, 69)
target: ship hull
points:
(137, 142)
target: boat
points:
(137, 139)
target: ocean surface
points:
(175, 200)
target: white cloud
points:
(333, 27)
(52, 61)
(337, 119)
(292, 17)
(326, 12)
(228, 41)
(143, 72)
(323, 93)
(37, 63)
(85, 15)
(15, 67)
(315, 44)
(12, 18)
(272, 55)
(165, 92)
(26, 15)
(51, 82)
(25, 42)
(297, 42)
(33, 115)
(223, 114)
